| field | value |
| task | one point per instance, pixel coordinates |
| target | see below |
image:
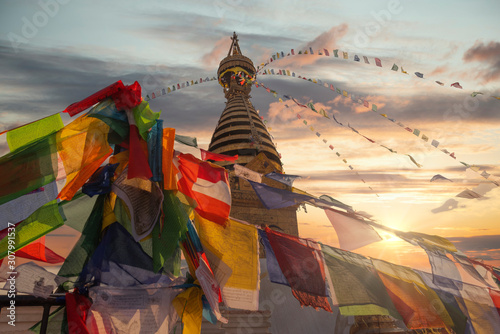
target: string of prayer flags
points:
(207, 186)
(358, 289)
(416, 132)
(307, 283)
(206, 155)
(352, 233)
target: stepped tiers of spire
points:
(240, 129)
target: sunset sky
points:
(55, 53)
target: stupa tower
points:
(241, 131)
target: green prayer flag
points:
(41, 222)
(145, 118)
(30, 132)
(394, 67)
(28, 168)
(85, 246)
(166, 238)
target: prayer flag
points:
(403, 71)
(143, 199)
(357, 287)
(125, 310)
(425, 138)
(439, 177)
(456, 85)
(308, 284)
(346, 56)
(356, 58)
(440, 83)
(419, 305)
(469, 194)
(418, 74)
(416, 132)
(89, 101)
(326, 52)
(233, 254)
(167, 155)
(311, 50)
(35, 280)
(286, 179)
(395, 67)
(336, 53)
(207, 185)
(293, 53)
(474, 94)
(366, 59)
(351, 232)
(274, 198)
(33, 131)
(190, 141)
(378, 62)
(435, 143)
(206, 155)
(247, 173)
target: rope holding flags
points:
(373, 107)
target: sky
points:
(54, 53)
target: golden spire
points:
(234, 45)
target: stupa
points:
(240, 131)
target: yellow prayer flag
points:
(233, 249)
(344, 93)
(288, 72)
(189, 308)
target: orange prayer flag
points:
(83, 147)
(169, 171)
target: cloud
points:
(219, 51)
(477, 243)
(489, 55)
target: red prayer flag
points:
(39, 252)
(302, 265)
(206, 155)
(495, 297)
(77, 308)
(293, 53)
(326, 52)
(456, 85)
(206, 184)
(138, 165)
(89, 101)
(378, 62)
